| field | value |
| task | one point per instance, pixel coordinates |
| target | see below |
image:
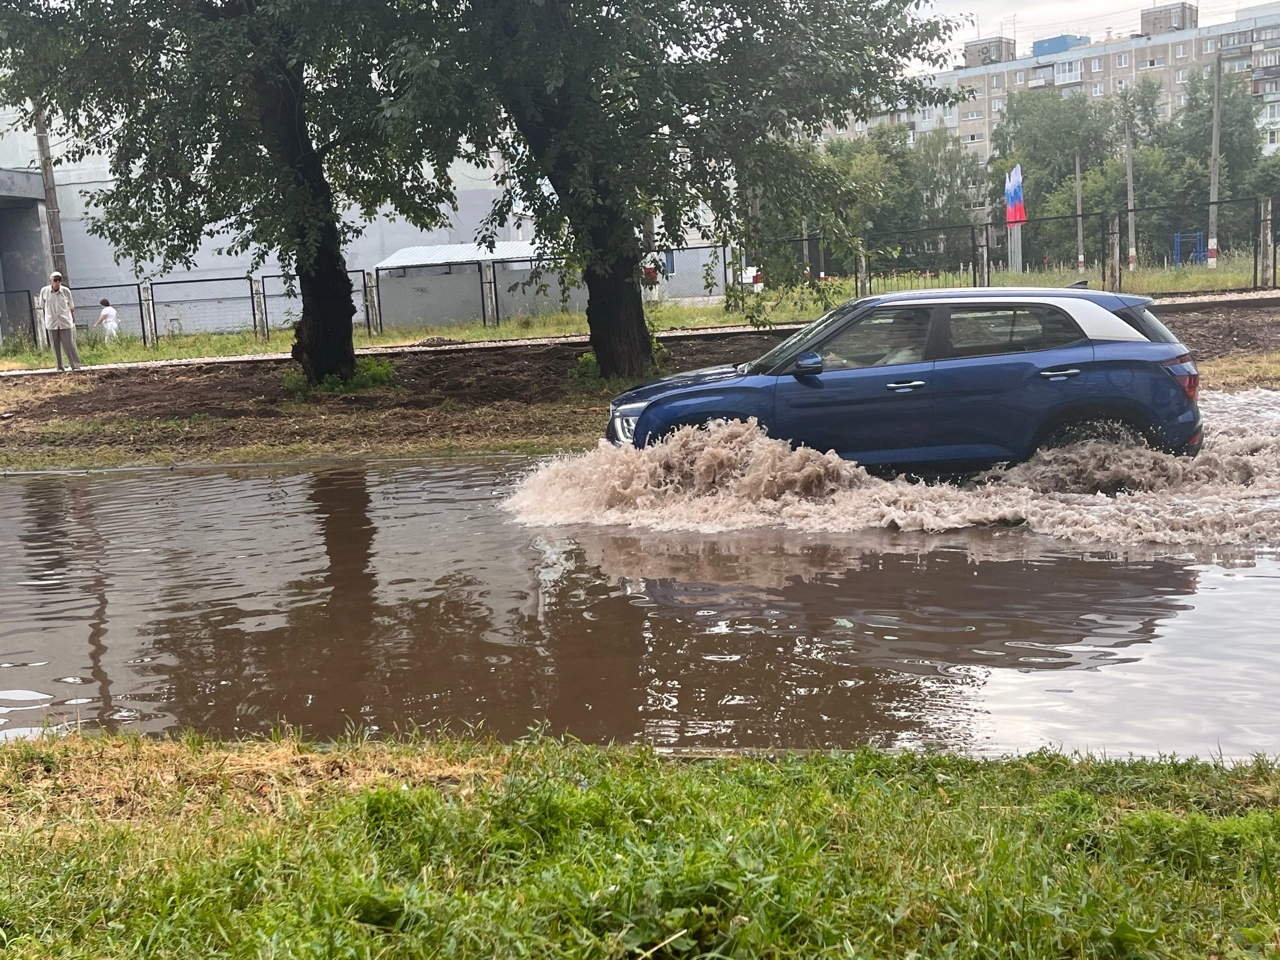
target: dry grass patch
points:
(105, 779)
(1243, 372)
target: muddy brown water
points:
(391, 596)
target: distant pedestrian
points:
(109, 319)
(60, 320)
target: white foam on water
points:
(732, 476)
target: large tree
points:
(695, 113)
(253, 122)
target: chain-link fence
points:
(18, 317)
(689, 274)
(282, 302)
(215, 305)
(126, 298)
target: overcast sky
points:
(1040, 19)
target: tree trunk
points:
(615, 316)
(323, 343)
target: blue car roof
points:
(1105, 298)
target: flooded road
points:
(394, 596)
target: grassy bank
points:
(127, 848)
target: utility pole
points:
(1079, 220)
(52, 215)
(1128, 171)
(1215, 162)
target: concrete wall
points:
(24, 256)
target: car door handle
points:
(1059, 374)
(907, 385)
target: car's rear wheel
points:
(1120, 432)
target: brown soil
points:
(1225, 332)
(509, 397)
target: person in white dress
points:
(109, 319)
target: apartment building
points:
(1169, 49)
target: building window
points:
(1273, 111)
(1237, 39)
(1095, 65)
(1180, 50)
(1182, 99)
(997, 105)
(948, 112)
(1122, 59)
(1206, 71)
(1271, 86)
(1240, 66)
(972, 138)
(1209, 46)
(1273, 136)
(1270, 33)
(1068, 71)
(1122, 86)
(1019, 77)
(1149, 64)
(971, 115)
(860, 125)
(1099, 89)
(997, 83)
(1268, 59)
(1180, 76)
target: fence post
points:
(984, 261)
(1115, 253)
(973, 249)
(147, 301)
(142, 315)
(370, 306)
(1262, 275)
(258, 304)
(35, 323)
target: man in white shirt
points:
(60, 320)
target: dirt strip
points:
(513, 395)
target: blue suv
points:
(949, 378)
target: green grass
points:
(123, 848)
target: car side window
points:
(986, 331)
(882, 338)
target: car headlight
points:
(624, 420)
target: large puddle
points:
(388, 597)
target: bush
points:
(371, 372)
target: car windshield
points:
(812, 332)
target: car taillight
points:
(1188, 376)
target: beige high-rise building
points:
(1175, 48)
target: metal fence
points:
(1173, 248)
(214, 305)
(127, 300)
(282, 303)
(1171, 241)
(18, 317)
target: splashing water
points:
(731, 476)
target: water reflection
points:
(391, 597)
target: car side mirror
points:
(809, 362)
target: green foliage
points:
(371, 373)
(586, 371)
(581, 852)
(903, 187)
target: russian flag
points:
(1015, 210)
